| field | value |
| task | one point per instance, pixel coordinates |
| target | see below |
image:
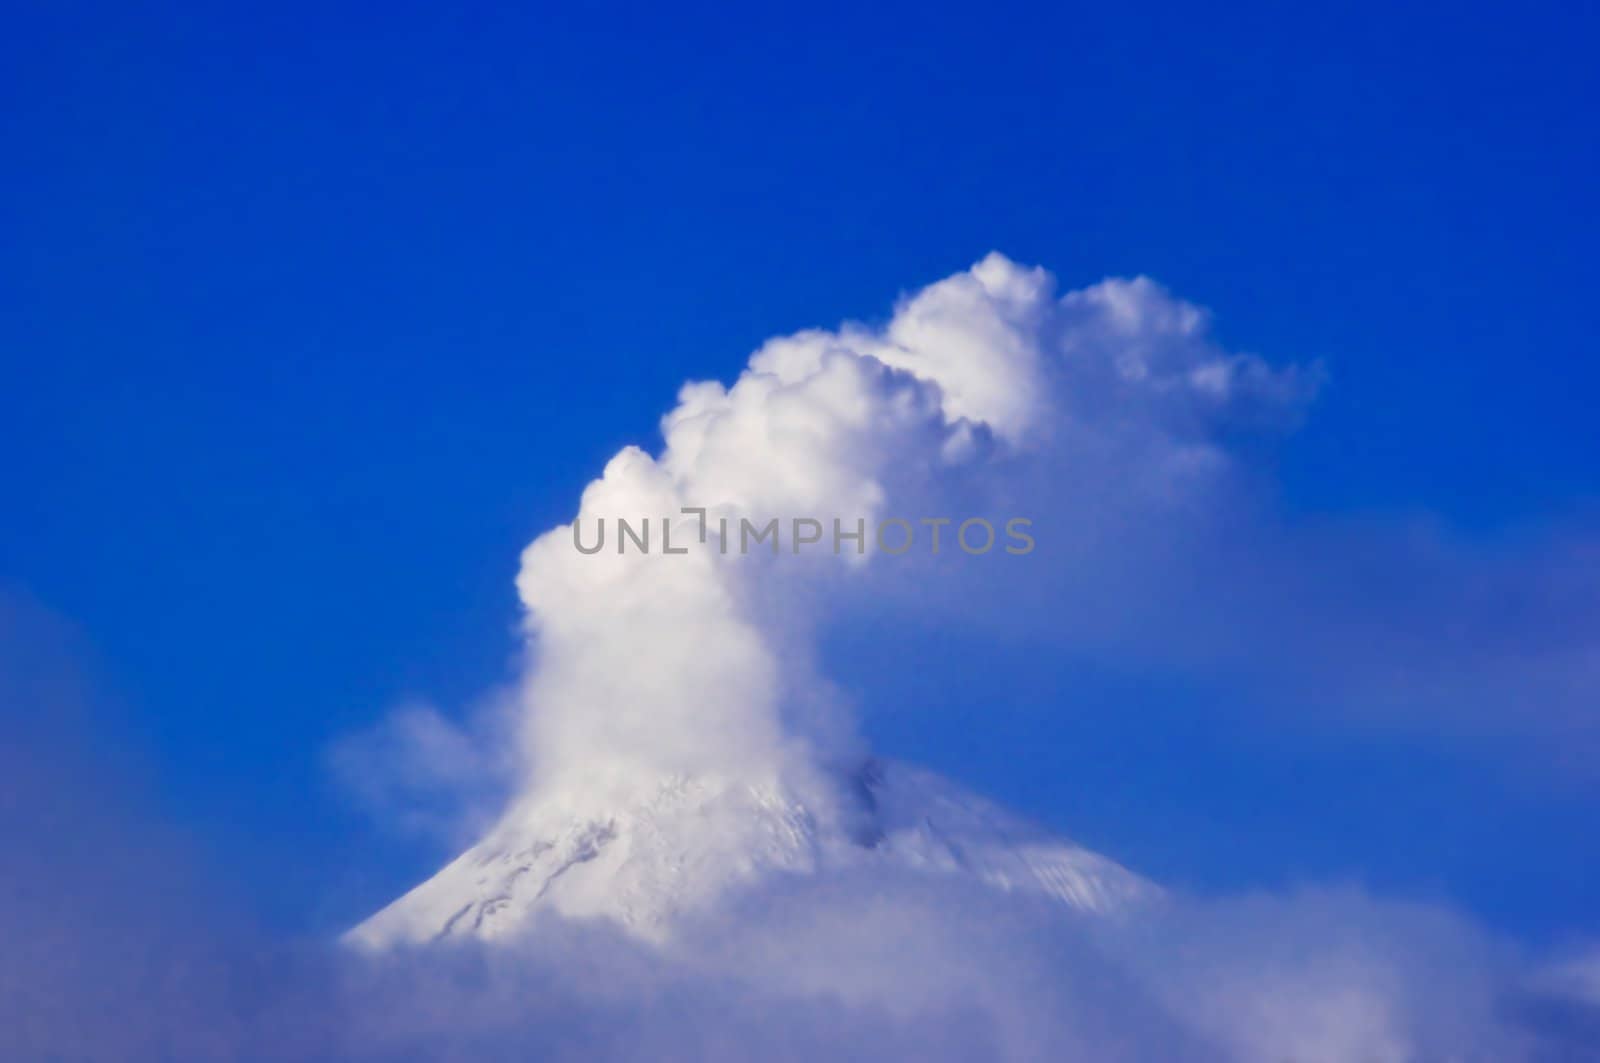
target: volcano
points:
(644, 855)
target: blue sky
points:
(311, 320)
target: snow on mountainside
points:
(673, 848)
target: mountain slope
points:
(674, 847)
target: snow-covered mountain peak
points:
(672, 847)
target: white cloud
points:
(417, 771)
(982, 390)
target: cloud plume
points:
(980, 398)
